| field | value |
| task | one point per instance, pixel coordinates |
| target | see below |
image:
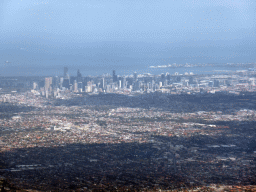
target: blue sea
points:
(123, 57)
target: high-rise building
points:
(178, 78)
(66, 83)
(252, 81)
(35, 85)
(79, 76)
(162, 78)
(124, 83)
(65, 72)
(89, 86)
(210, 84)
(216, 83)
(102, 84)
(191, 80)
(136, 86)
(168, 77)
(75, 86)
(66, 80)
(48, 83)
(46, 94)
(135, 76)
(56, 82)
(80, 86)
(108, 88)
(61, 82)
(119, 84)
(114, 76)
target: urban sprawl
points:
(140, 132)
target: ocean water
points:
(97, 58)
(57, 70)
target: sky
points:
(38, 36)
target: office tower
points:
(86, 79)
(79, 76)
(108, 88)
(153, 83)
(61, 82)
(65, 72)
(114, 76)
(129, 81)
(89, 86)
(135, 76)
(56, 82)
(185, 83)
(48, 83)
(145, 88)
(168, 77)
(149, 85)
(120, 81)
(119, 84)
(102, 83)
(124, 82)
(162, 78)
(66, 80)
(80, 86)
(210, 84)
(75, 86)
(191, 80)
(252, 81)
(66, 83)
(178, 78)
(157, 87)
(216, 83)
(228, 82)
(35, 86)
(136, 86)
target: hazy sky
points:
(35, 31)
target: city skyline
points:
(137, 95)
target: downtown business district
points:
(187, 83)
(143, 132)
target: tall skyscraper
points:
(124, 83)
(168, 77)
(66, 80)
(65, 72)
(48, 83)
(162, 78)
(55, 82)
(216, 83)
(75, 86)
(102, 83)
(79, 76)
(80, 86)
(35, 85)
(135, 76)
(114, 76)
(89, 86)
(66, 83)
(119, 84)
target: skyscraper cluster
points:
(142, 83)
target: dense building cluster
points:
(187, 83)
(112, 141)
